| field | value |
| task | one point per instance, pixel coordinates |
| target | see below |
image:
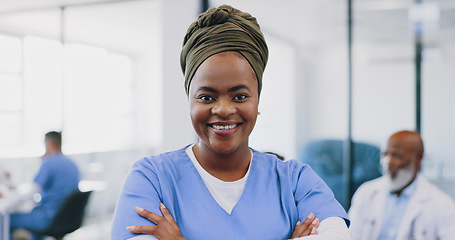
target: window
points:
(11, 94)
(98, 98)
(83, 90)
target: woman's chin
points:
(224, 148)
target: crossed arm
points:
(166, 228)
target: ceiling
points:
(128, 27)
(326, 20)
(302, 23)
(7, 6)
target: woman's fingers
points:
(296, 231)
(303, 228)
(317, 222)
(155, 218)
(168, 216)
(314, 231)
(311, 229)
(165, 228)
(142, 229)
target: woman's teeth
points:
(226, 127)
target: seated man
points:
(57, 178)
(402, 204)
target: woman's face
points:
(224, 102)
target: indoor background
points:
(107, 74)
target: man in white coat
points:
(402, 204)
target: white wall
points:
(176, 125)
(322, 99)
(275, 126)
(383, 90)
(438, 112)
(42, 23)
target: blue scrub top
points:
(277, 194)
(58, 177)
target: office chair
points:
(69, 216)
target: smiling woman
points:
(220, 188)
(224, 105)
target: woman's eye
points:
(240, 97)
(206, 98)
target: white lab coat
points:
(430, 213)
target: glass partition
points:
(438, 86)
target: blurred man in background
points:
(402, 204)
(5, 177)
(5, 181)
(57, 178)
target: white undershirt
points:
(226, 194)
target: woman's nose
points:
(223, 109)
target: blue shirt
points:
(394, 211)
(58, 177)
(277, 194)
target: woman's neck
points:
(226, 167)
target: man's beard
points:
(403, 177)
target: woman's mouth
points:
(224, 128)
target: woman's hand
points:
(165, 228)
(308, 227)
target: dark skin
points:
(166, 228)
(51, 147)
(225, 169)
(224, 91)
(224, 100)
(403, 149)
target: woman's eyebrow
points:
(207, 89)
(233, 89)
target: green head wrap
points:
(219, 30)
